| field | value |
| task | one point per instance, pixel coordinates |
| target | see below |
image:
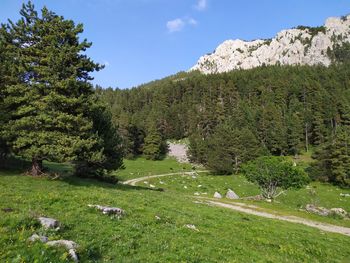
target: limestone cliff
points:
(301, 45)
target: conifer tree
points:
(333, 158)
(155, 147)
(50, 99)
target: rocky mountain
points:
(297, 46)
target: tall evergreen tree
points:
(333, 158)
(51, 100)
(155, 146)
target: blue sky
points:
(143, 40)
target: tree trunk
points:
(37, 167)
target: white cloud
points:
(175, 25)
(201, 5)
(179, 24)
(192, 22)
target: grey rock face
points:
(298, 46)
(231, 194)
(48, 223)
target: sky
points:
(143, 40)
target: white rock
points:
(106, 210)
(196, 193)
(152, 186)
(193, 227)
(345, 195)
(185, 186)
(47, 222)
(217, 195)
(36, 237)
(288, 47)
(68, 244)
(71, 246)
(231, 194)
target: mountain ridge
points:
(297, 46)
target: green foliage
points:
(155, 146)
(229, 147)
(333, 158)
(48, 100)
(272, 173)
(109, 148)
(288, 109)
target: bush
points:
(273, 173)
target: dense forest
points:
(233, 117)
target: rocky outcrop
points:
(298, 46)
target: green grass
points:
(224, 235)
(291, 203)
(141, 167)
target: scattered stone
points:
(36, 237)
(185, 186)
(196, 193)
(193, 227)
(345, 195)
(145, 182)
(339, 211)
(199, 185)
(217, 195)
(268, 200)
(161, 182)
(194, 177)
(7, 209)
(49, 223)
(157, 217)
(317, 210)
(68, 244)
(152, 186)
(231, 194)
(204, 193)
(106, 210)
(71, 246)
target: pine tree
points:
(333, 158)
(50, 98)
(155, 147)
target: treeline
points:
(48, 107)
(234, 117)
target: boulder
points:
(317, 210)
(71, 246)
(48, 223)
(217, 195)
(231, 194)
(339, 211)
(106, 210)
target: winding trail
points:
(293, 219)
(136, 180)
(252, 209)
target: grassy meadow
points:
(223, 236)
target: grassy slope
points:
(291, 203)
(224, 236)
(141, 167)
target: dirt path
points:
(293, 219)
(136, 180)
(252, 210)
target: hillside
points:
(154, 227)
(298, 46)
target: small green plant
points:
(274, 173)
